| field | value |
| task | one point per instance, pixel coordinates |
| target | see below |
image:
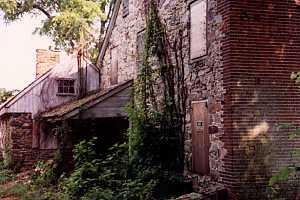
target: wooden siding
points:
(43, 95)
(111, 107)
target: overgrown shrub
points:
(107, 176)
(6, 174)
(48, 173)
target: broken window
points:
(114, 67)
(125, 8)
(198, 29)
(66, 87)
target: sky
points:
(17, 51)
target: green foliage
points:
(68, 23)
(5, 94)
(7, 158)
(107, 176)
(285, 183)
(85, 152)
(6, 174)
(281, 176)
(157, 115)
(48, 173)
(157, 112)
(296, 77)
(17, 190)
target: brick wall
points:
(261, 49)
(45, 60)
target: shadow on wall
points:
(262, 94)
(257, 147)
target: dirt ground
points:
(21, 178)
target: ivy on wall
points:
(157, 112)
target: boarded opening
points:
(198, 11)
(200, 137)
(114, 67)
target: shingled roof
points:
(73, 108)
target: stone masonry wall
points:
(124, 38)
(203, 76)
(16, 142)
(206, 83)
(21, 140)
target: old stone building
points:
(238, 58)
(239, 55)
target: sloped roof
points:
(73, 108)
(66, 66)
(23, 92)
(112, 22)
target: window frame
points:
(200, 57)
(59, 93)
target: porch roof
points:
(113, 100)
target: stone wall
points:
(16, 142)
(124, 38)
(203, 76)
(20, 131)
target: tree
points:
(4, 95)
(70, 23)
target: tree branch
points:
(42, 10)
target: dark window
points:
(125, 8)
(66, 87)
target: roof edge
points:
(71, 113)
(15, 98)
(108, 34)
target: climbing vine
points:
(157, 112)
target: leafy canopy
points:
(70, 23)
(4, 95)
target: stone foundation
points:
(16, 143)
(17, 140)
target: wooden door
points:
(200, 137)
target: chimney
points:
(46, 60)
